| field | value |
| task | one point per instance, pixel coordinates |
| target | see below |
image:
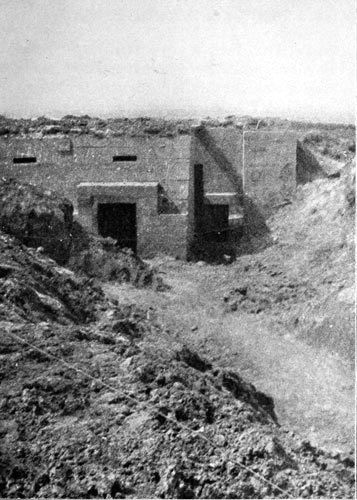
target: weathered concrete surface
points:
(156, 233)
(164, 234)
(269, 172)
(219, 150)
(63, 162)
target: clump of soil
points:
(36, 217)
(32, 287)
(100, 258)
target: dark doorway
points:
(217, 219)
(118, 220)
(198, 197)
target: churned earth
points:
(283, 317)
(110, 405)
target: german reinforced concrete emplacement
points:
(162, 194)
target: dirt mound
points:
(146, 126)
(36, 217)
(98, 127)
(100, 258)
(151, 419)
(32, 287)
(307, 276)
(331, 144)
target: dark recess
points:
(25, 159)
(125, 158)
(118, 221)
(216, 223)
(198, 198)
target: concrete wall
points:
(269, 169)
(62, 163)
(163, 234)
(156, 233)
(219, 151)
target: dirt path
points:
(313, 391)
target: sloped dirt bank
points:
(110, 406)
(164, 423)
(34, 288)
(306, 278)
(36, 217)
(100, 258)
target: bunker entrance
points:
(217, 223)
(198, 198)
(118, 221)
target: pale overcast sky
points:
(289, 58)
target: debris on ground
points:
(113, 408)
(34, 288)
(100, 258)
(147, 126)
(38, 218)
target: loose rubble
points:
(106, 405)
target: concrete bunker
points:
(166, 195)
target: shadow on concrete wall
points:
(307, 166)
(248, 238)
(166, 205)
(255, 231)
(219, 157)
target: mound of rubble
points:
(43, 219)
(33, 288)
(98, 127)
(37, 218)
(149, 126)
(100, 258)
(97, 401)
